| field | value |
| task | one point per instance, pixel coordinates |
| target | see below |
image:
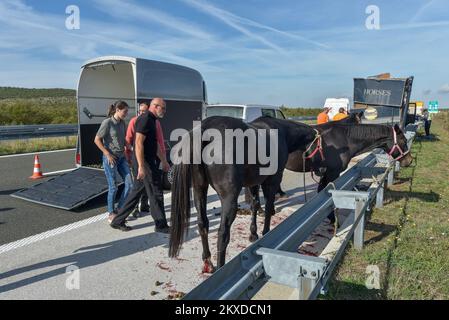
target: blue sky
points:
(288, 52)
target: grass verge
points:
(407, 239)
(36, 145)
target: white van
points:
(335, 104)
(246, 112)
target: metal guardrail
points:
(274, 257)
(37, 131)
(302, 118)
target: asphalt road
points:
(19, 218)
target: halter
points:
(318, 148)
(396, 146)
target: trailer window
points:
(279, 114)
(227, 111)
(269, 113)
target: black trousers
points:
(152, 185)
(143, 198)
(427, 124)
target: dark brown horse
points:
(343, 141)
(229, 179)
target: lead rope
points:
(317, 136)
(335, 211)
(304, 176)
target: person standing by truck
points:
(146, 152)
(323, 116)
(340, 115)
(110, 139)
(427, 121)
(130, 138)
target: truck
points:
(384, 100)
(335, 104)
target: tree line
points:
(22, 106)
(15, 92)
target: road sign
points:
(433, 106)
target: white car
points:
(246, 112)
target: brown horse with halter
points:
(339, 142)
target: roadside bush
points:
(59, 110)
(300, 112)
(13, 92)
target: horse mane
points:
(293, 123)
(363, 131)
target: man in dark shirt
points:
(146, 152)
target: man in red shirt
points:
(130, 138)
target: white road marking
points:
(33, 153)
(51, 233)
(48, 234)
(60, 171)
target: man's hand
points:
(165, 166)
(141, 173)
(111, 159)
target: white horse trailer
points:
(107, 79)
(102, 81)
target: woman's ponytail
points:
(111, 110)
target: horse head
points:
(397, 147)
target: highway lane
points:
(19, 218)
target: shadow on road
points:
(8, 192)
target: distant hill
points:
(25, 93)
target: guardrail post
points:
(380, 195)
(390, 178)
(294, 270)
(357, 202)
(305, 287)
(397, 166)
(359, 231)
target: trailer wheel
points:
(167, 179)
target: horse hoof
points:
(208, 267)
(253, 237)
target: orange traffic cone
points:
(37, 172)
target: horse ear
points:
(360, 114)
(397, 129)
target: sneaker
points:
(165, 229)
(111, 217)
(121, 227)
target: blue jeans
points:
(121, 167)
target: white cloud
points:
(444, 89)
(146, 15)
(232, 21)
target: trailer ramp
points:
(68, 191)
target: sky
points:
(286, 52)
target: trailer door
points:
(67, 191)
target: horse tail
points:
(180, 195)
(180, 206)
